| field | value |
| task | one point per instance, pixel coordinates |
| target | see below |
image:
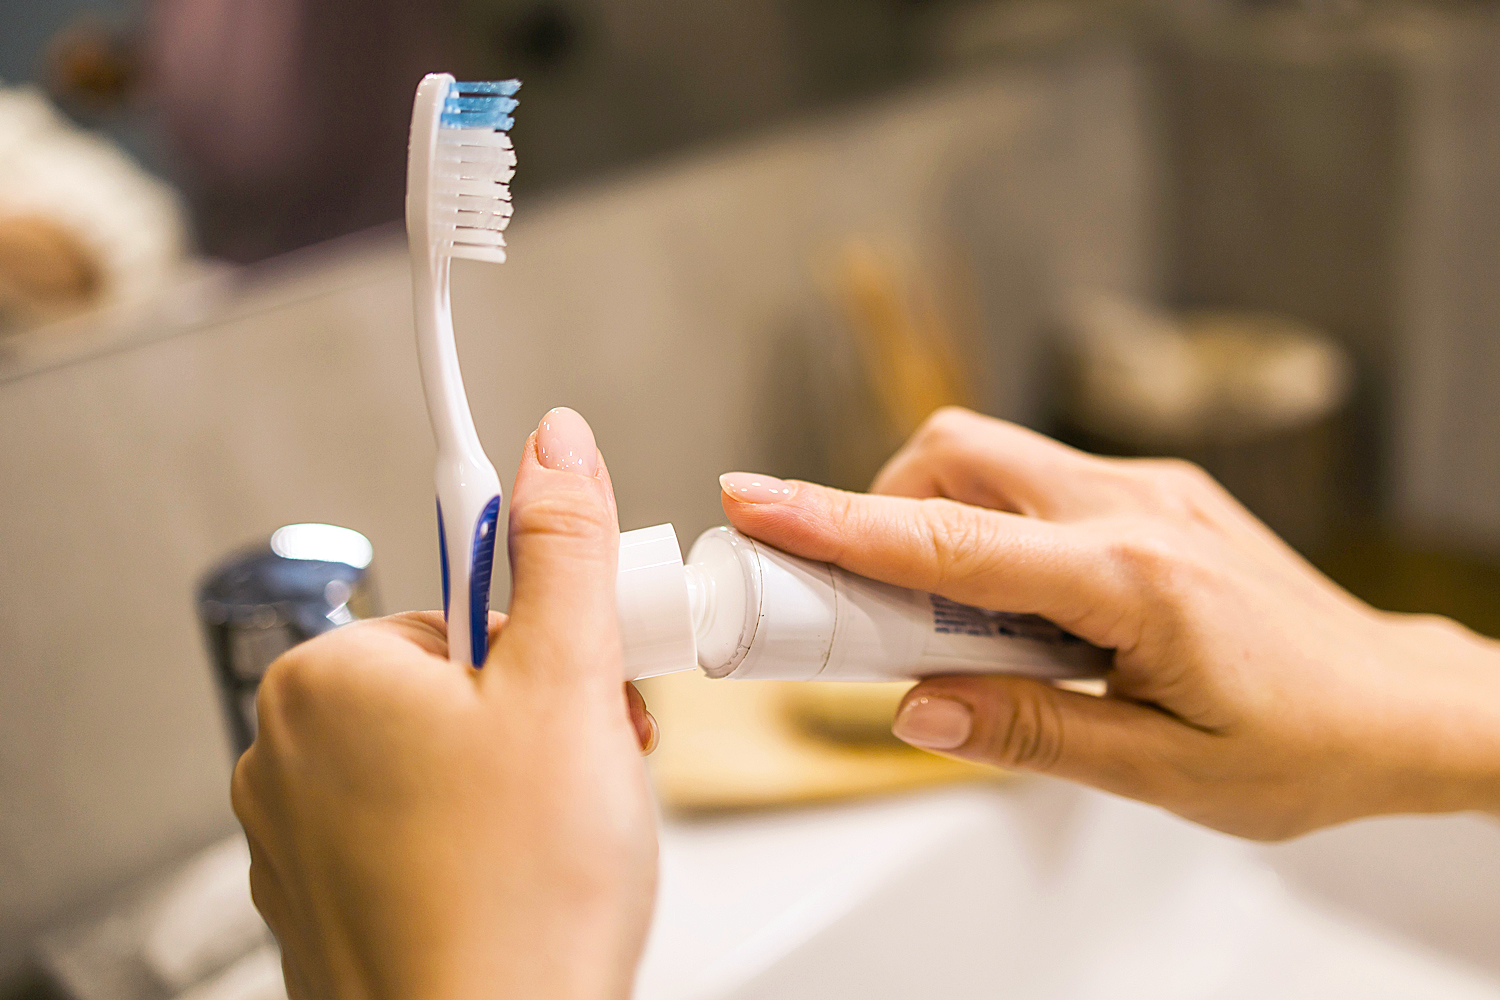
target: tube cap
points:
(651, 596)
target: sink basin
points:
(1038, 890)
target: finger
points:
(964, 456)
(983, 557)
(646, 731)
(425, 629)
(1020, 723)
(378, 640)
(990, 463)
(496, 625)
(564, 550)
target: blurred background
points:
(768, 235)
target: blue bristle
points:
(505, 88)
(493, 119)
(481, 105)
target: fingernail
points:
(752, 487)
(565, 441)
(934, 723)
(653, 735)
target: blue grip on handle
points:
(481, 564)
(443, 557)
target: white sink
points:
(1033, 890)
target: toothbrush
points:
(458, 170)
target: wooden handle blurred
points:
(908, 352)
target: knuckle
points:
(241, 791)
(840, 507)
(1148, 557)
(958, 545)
(302, 678)
(270, 698)
(1190, 479)
(1179, 471)
(1145, 550)
(1439, 628)
(1026, 732)
(289, 681)
(572, 514)
(1178, 485)
(945, 427)
(854, 520)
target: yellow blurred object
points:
(736, 745)
(44, 265)
(907, 349)
(852, 714)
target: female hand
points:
(421, 829)
(1248, 692)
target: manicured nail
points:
(565, 441)
(652, 737)
(752, 487)
(934, 723)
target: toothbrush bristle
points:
(485, 104)
(504, 88)
(475, 162)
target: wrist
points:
(542, 953)
(1447, 715)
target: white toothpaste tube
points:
(742, 609)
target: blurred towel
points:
(80, 223)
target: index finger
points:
(965, 456)
(987, 558)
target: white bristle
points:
(471, 193)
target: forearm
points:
(1449, 726)
(566, 942)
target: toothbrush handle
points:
(482, 562)
(466, 607)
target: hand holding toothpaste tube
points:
(1248, 692)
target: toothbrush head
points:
(475, 162)
(467, 197)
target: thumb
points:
(1029, 725)
(564, 549)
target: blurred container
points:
(1254, 398)
(303, 581)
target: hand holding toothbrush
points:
(422, 829)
